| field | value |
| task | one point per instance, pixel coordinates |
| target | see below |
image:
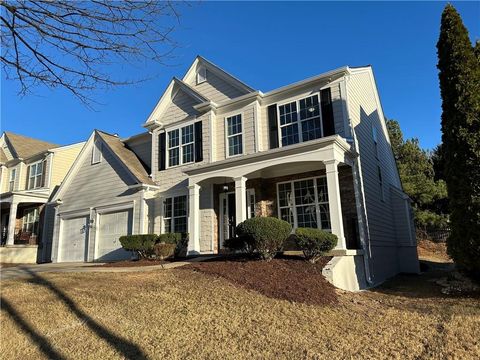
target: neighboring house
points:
(315, 153)
(31, 170)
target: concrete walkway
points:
(25, 270)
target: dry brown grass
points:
(431, 251)
(177, 314)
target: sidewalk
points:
(25, 270)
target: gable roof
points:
(3, 157)
(25, 147)
(169, 93)
(199, 61)
(126, 156)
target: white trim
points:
(50, 158)
(256, 119)
(242, 133)
(114, 207)
(87, 235)
(74, 213)
(201, 74)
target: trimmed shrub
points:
(314, 242)
(181, 246)
(142, 245)
(239, 243)
(169, 238)
(164, 250)
(266, 235)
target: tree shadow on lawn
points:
(127, 349)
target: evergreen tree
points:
(459, 74)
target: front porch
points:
(308, 185)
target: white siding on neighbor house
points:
(142, 147)
(363, 111)
(216, 89)
(61, 163)
(97, 185)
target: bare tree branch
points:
(72, 44)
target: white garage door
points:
(110, 227)
(74, 238)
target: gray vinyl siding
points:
(142, 147)
(95, 185)
(363, 111)
(180, 108)
(217, 89)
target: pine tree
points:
(459, 74)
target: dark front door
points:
(231, 214)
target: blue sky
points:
(268, 45)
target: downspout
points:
(359, 195)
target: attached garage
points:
(73, 239)
(110, 226)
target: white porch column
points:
(194, 219)
(336, 219)
(11, 223)
(240, 199)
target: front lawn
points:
(186, 313)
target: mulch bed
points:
(134, 263)
(291, 279)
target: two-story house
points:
(31, 170)
(315, 153)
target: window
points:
(175, 214)
(380, 182)
(30, 220)
(11, 182)
(97, 152)
(300, 121)
(35, 175)
(234, 135)
(304, 203)
(181, 146)
(201, 75)
(250, 203)
(375, 140)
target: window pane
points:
(173, 138)
(288, 113)
(31, 183)
(306, 216)
(287, 215)
(234, 125)
(322, 191)
(180, 224)
(304, 192)
(180, 206)
(289, 134)
(309, 107)
(285, 195)
(168, 225)
(311, 129)
(187, 134)
(187, 153)
(38, 181)
(173, 157)
(325, 216)
(235, 145)
(167, 207)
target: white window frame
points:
(31, 216)
(294, 205)
(97, 152)
(241, 134)
(30, 176)
(12, 178)
(180, 145)
(201, 75)
(173, 217)
(299, 122)
(251, 202)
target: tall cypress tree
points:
(459, 74)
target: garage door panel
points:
(110, 227)
(73, 246)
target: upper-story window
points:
(97, 152)
(11, 182)
(35, 175)
(234, 135)
(300, 120)
(181, 146)
(201, 75)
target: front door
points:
(228, 213)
